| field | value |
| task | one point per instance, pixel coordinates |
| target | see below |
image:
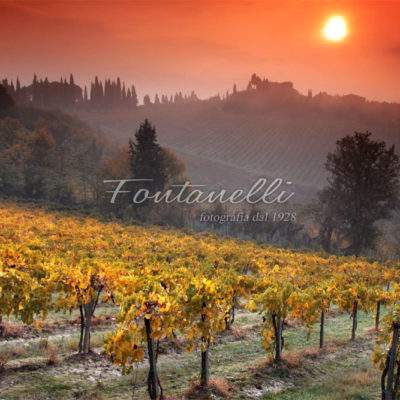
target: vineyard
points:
(230, 149)
(163, 290)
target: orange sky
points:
(166, 46)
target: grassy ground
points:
(239, 367)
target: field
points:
(226, 149)
(342, 370)
(83, 300)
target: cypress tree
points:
(135, 100)
(6, 100)
(118, 90)
(123, 93)
(92, 93)
(146, 158)
(85, 95)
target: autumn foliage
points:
(166, 283)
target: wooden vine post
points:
(205, 370)
(354, 328)
(278, 327)
(377, 315)
(153, 381)
(230, 318)
(389, 388)
(321, 330)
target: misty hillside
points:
(269, 130)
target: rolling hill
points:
(269, 130)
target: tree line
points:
(66, 93)
(63, 93)
(51, 156)
(48, 155)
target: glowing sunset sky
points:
(166, 46)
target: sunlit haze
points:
(206, 46)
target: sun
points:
(335, 28)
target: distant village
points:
(115, 93)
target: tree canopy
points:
(6, 100)
(363, 187)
